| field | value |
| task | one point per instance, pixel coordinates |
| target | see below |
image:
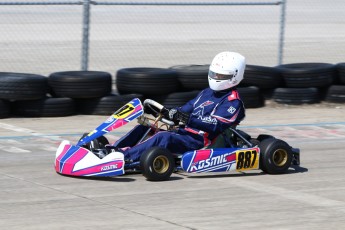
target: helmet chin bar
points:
(219, 85)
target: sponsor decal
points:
(208, 120)
(231, 110)
(210, 162)
(199, 111)
(109, 167)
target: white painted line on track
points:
(13, 142)
(28, 131)
(13, 149)
(48, 148)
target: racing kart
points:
(233, 150)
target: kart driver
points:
(205, 117)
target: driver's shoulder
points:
(233, 95)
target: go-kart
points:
(233, 150)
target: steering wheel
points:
(157, 110)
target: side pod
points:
(221, 160)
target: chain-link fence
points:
(47, 38)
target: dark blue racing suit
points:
(211, 112)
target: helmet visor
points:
(218, 76)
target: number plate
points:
(124, 111)
(247, 159)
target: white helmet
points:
(226, 70)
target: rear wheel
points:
(275, 156)
(157, 164)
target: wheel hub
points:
(161, 164)
(280, 157)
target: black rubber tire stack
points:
(262, 76)
(89, 92)
(173, 100)
(305, 75)
(146, 81)
(305, 82)
(296, 96)
(80, 84)
(251, 97)
(104, 105)
(192, 77)
(4, 109)
(341, 73)
(47, 107)
(20, 86)
(336, 94)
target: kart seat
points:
(228, 139)
(223, 140)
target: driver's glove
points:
(177, 116)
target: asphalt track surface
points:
(34, 196)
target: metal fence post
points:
(282, 32)
(85, 38)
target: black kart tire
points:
(178, 99)
(275, 156)
(262, 76)
(98, 143)
(304, 75)
(146, 81)
(336, 94)
(4, 109)
(48, 107)
(157, 164)
(251, 97)
(104, 105)
(296, 96)
(20, 86)
(192, 77)
(80, 84)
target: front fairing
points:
(77, 161)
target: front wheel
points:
(157, 164)
(98, 143)
(275, 156)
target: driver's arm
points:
(189, 106)
(182, 113)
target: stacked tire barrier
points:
(59, 94)
(304, 82)
(90, 92)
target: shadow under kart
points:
(233, 150)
